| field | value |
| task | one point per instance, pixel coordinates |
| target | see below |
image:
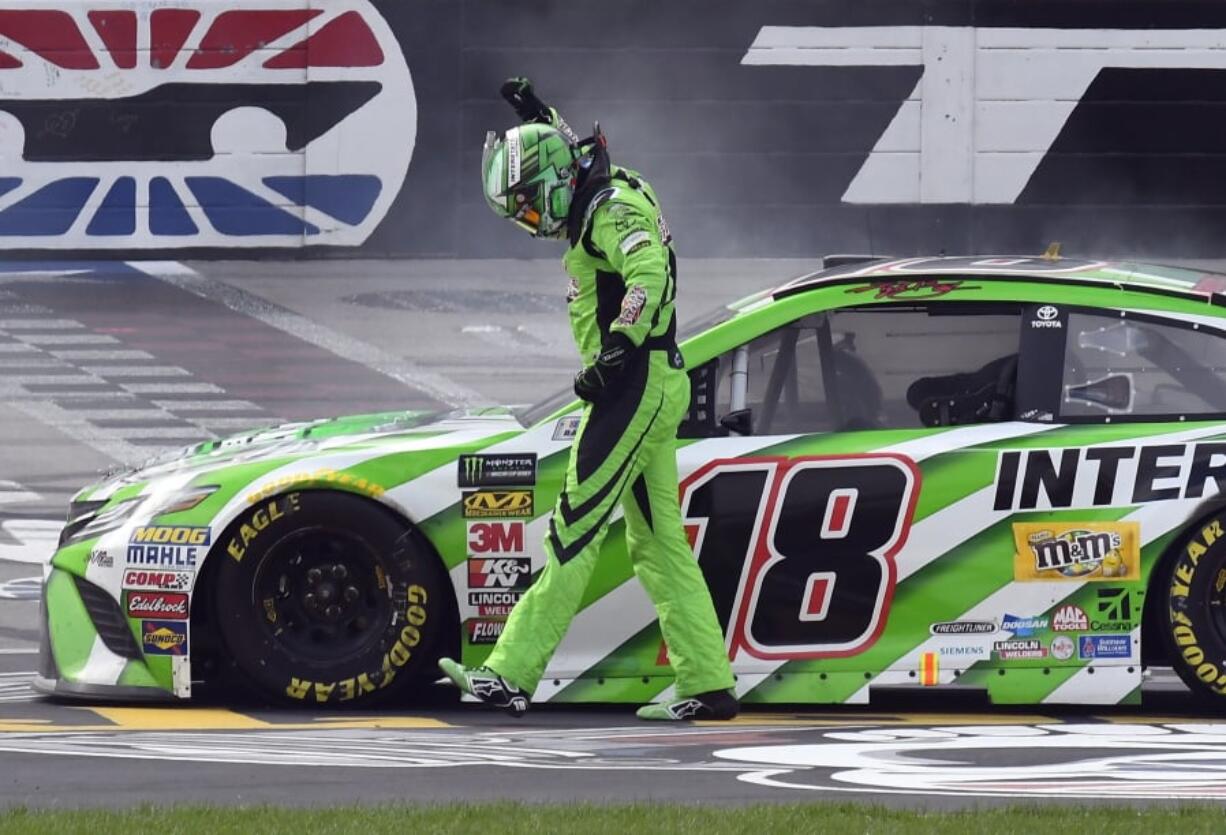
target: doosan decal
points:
(141, 579)
(188, 123)
(157, 604)
(1021, 627)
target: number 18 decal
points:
(799, 552)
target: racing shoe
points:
(486, 685)
(716, 704)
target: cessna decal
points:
(990, 101)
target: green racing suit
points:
(622, 281)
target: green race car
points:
(992, 473)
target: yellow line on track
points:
(121, 719)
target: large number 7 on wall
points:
(799, 552)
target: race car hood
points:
(390, 431)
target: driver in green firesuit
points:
(621, 297)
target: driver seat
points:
(983, 396)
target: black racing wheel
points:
(327, 598)
(1193, 594)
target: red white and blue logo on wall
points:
(161, 124)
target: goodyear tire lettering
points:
(1195, 585)
(402, 575)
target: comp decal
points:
(188, 123)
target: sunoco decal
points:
(163, 637)
(190, 123)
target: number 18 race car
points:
(1002, 474)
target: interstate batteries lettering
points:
(1041, 479)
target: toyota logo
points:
(1047, 312)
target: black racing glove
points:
(519, 94)
(598, 381)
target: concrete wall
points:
(777, 128)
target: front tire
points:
(1194, 610)
(328, 598)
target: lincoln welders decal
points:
(193, 123)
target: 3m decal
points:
(258, 520)
(157, 580)
(499, 573)
(163, 637)
(1109, 476)
(192, 123)
(497, 470)
(156, 604)
(397, 656)
(1082, 551)
(495, 538)
(486, 504)
(482, 631)
(784, 587)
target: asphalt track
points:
(106, 363)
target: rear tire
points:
(328, 598)
(1193, 616)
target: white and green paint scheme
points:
(992, 473)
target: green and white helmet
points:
(529, 177)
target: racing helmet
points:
(529, 177)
